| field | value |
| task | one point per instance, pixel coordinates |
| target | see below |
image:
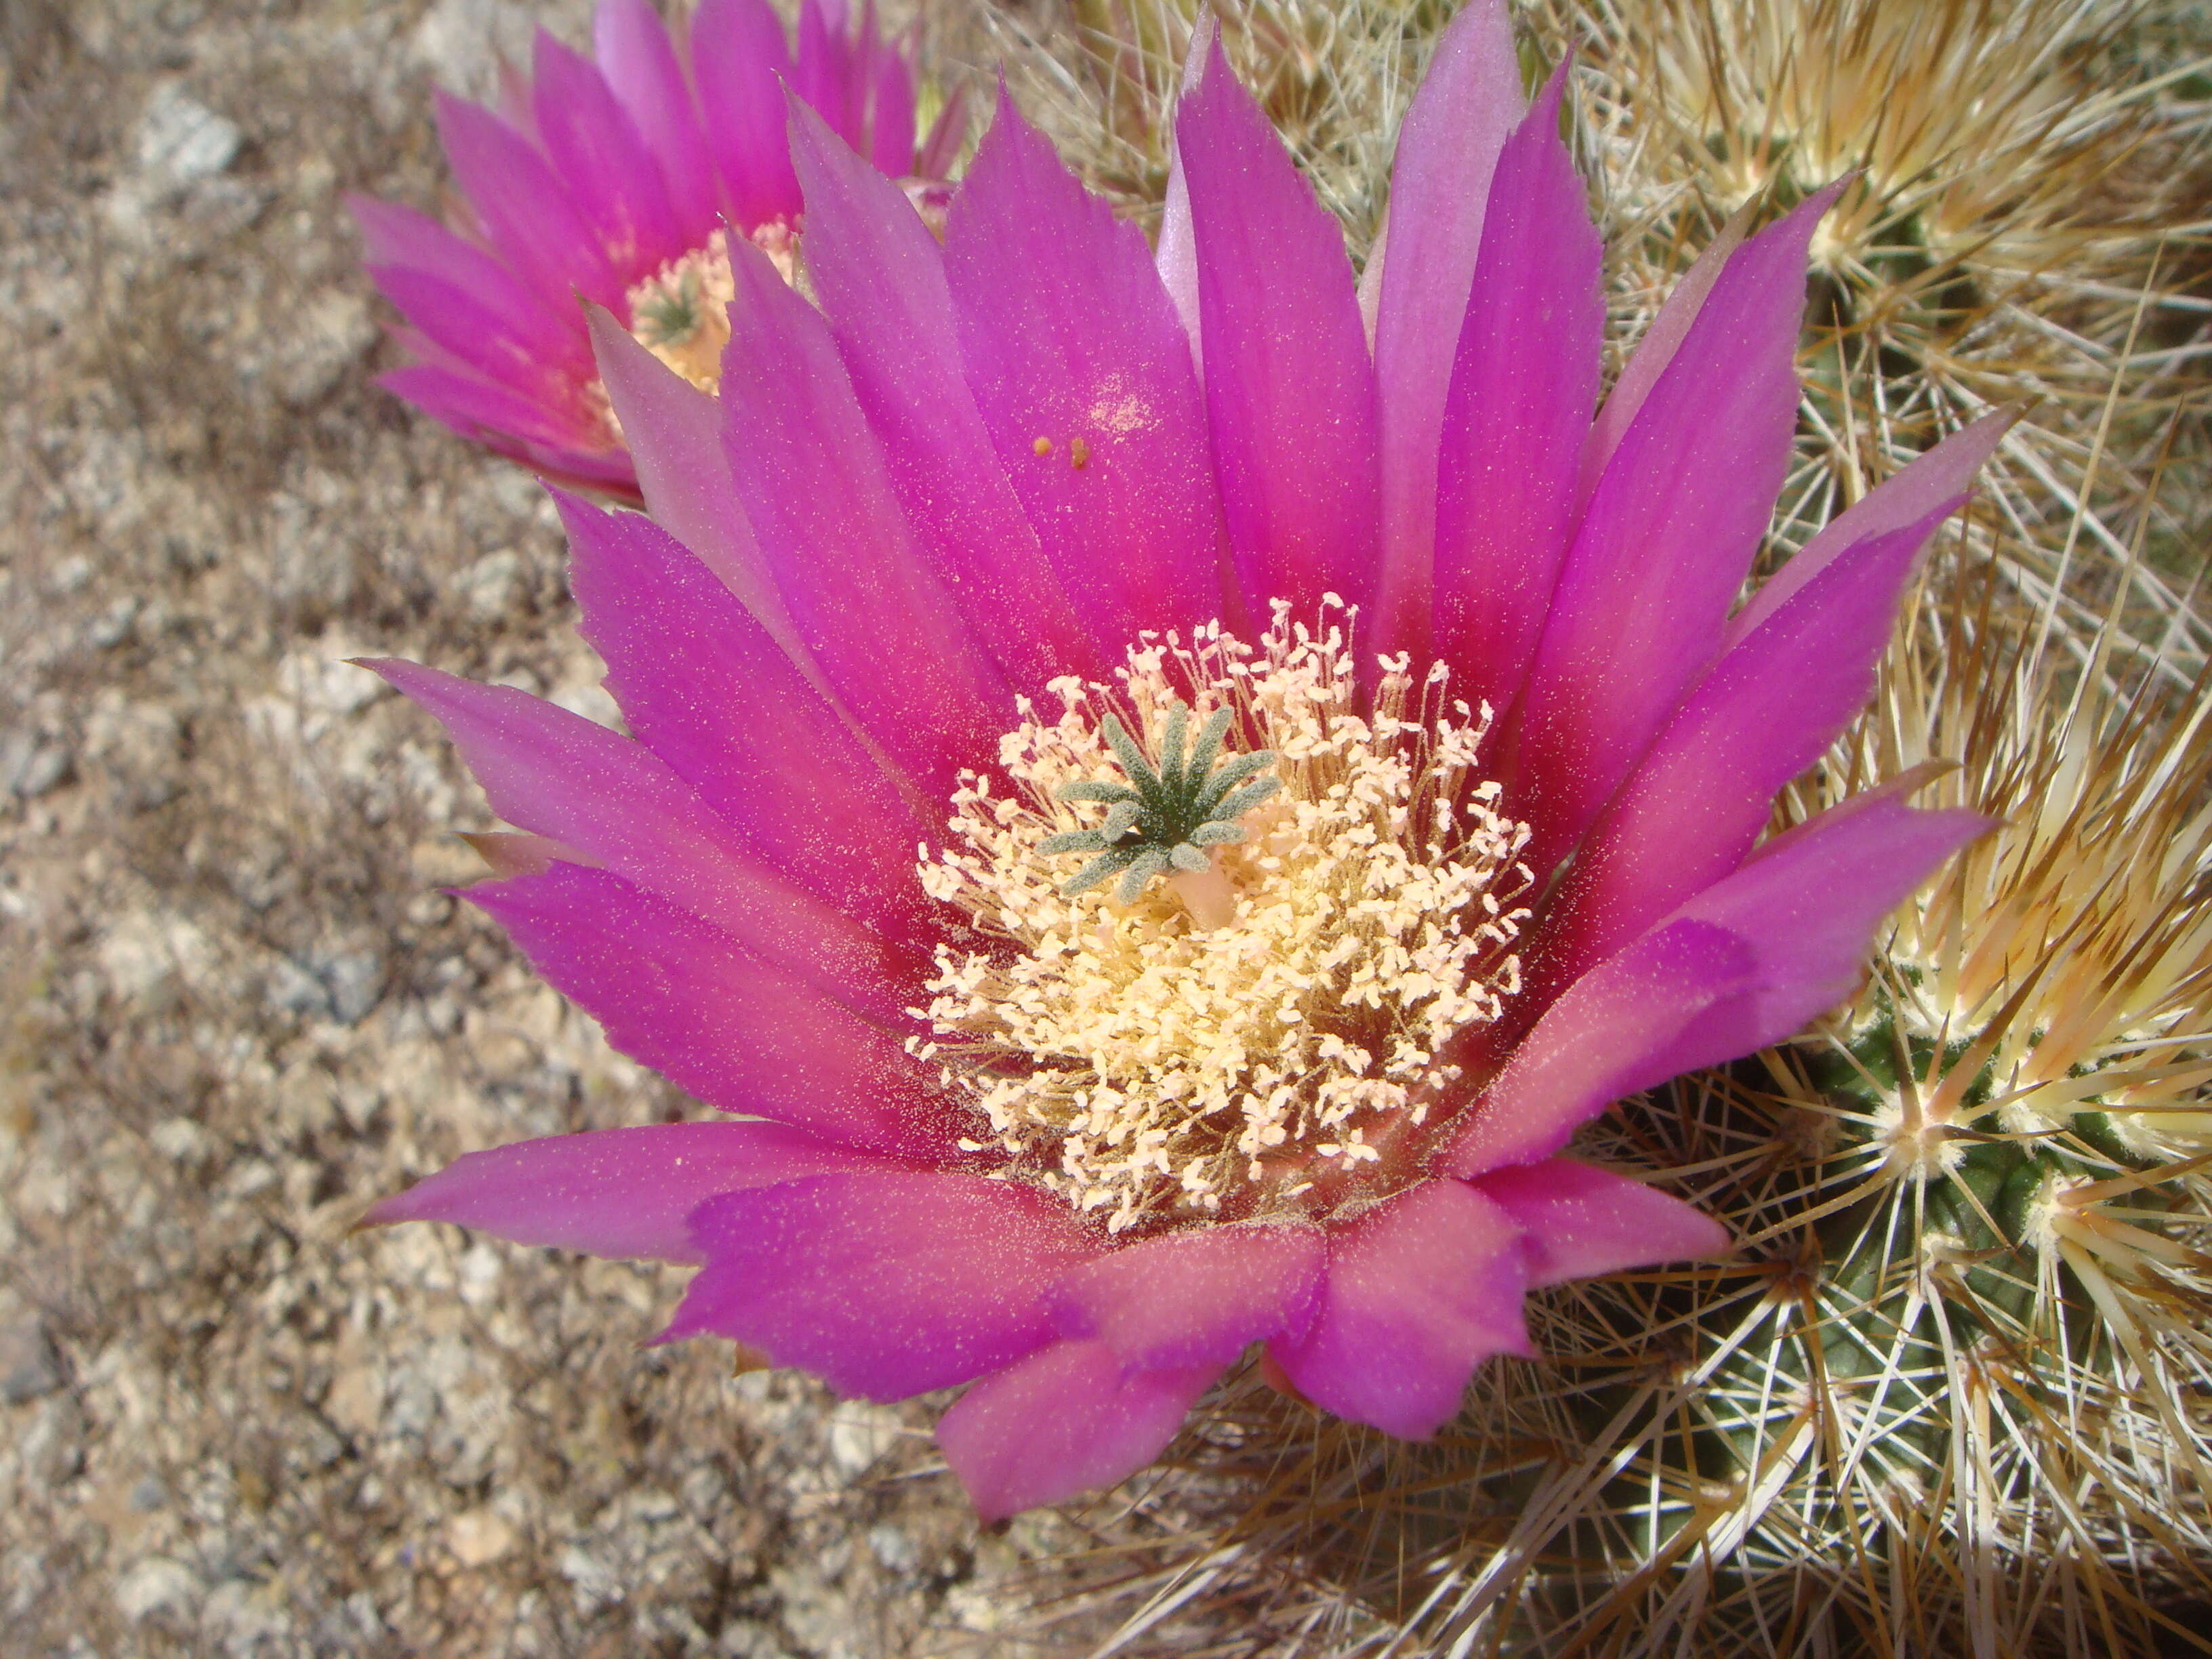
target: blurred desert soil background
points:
(237, 1008)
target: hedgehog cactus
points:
(2026, 222)
(1949, 1398)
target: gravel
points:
(235, 1008)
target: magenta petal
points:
(639, 62)
(886, 1285)
(1745, 963)
(1067, 1419)
(678, 994)
(674, 431)
(890, 117)
(1448, 150)
(739, 63)
(557, 775)
(401, 240)
(1698, 800)
(878, 276)
(1580, 1221)
(1614, 1030)
(861, 594)
(823, 72)
(705, 689)
(1290, 389)
(612, 176)
(1666, 543)
(1941, 475)
(525, 212)
(1523, 388)
(1656, 349)
(1067, 336)
(481, 408)
(622, 1192)
(471, 326)
(1419, 1292)
(1197, 1297)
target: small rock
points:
(859, 1433)
(50, 1448)
(325, 684)
(181, 139)
(29, 1367)
(254, 1175)
(893, 1547)
(355, 1401)
(146, 952)
(31, 766)
(181, 1140)
(155, 1584)
(294, 990)
(247, 1618)
(596, 1584)
(332, 331)
(493, 587)
(479, 1537)
(138, 747)
(113, 625)
(356, 979)
(340, 984)
(480, 1271)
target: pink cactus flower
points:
(1335, 770)
(623, 182)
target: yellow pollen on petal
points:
(1231, 1035)
(681, 313)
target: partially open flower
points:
(1335, 773)
(622, 182)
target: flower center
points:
(681, 314)
(1212, 974)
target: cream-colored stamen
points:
(681, 313)
(1233, 1035)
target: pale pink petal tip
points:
(616, 1193)
(1419, 1292)
(884, 1285)
(1582, 1221)
(1068, 1420)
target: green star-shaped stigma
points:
(1164, 817)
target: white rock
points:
(156, 1583)
(493, 586)
(859, 1433)
(181, 139)
(147, 949)
(480, 1270)
(181, 1140)
(596, 1584)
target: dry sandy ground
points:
(238, 1008)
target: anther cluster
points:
(1149, 1057)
